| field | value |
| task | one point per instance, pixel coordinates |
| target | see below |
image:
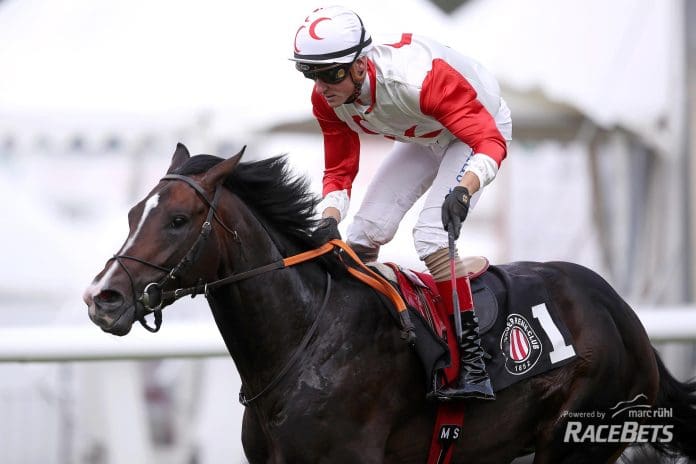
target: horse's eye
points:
(178, 222)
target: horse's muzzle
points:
(110, 311)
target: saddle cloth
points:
(522, 333)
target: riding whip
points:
(453, 279)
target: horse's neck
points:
(263, 319)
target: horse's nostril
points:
(108, 298)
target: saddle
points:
(436, 342)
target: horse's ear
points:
(220, 171)
(181, 155)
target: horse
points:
(326, 375)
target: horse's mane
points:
(277, 196)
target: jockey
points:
(450, 128)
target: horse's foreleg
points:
(352, 456)
(364, 446)
(253, 439)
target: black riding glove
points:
(455, 208)
(327, 230)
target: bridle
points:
(154, 298)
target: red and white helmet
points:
(332, 34)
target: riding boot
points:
(473, 379)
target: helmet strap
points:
(358, 78)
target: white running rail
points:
(198, 339)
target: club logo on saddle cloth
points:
(520, 345)
(521, 332)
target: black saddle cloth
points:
(521, 330)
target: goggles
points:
(334, 74)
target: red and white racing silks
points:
(419, 92)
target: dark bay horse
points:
(326, 375)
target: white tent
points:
(621, 62)
(169, 60)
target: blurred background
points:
(95, 94)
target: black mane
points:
(278, 197)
